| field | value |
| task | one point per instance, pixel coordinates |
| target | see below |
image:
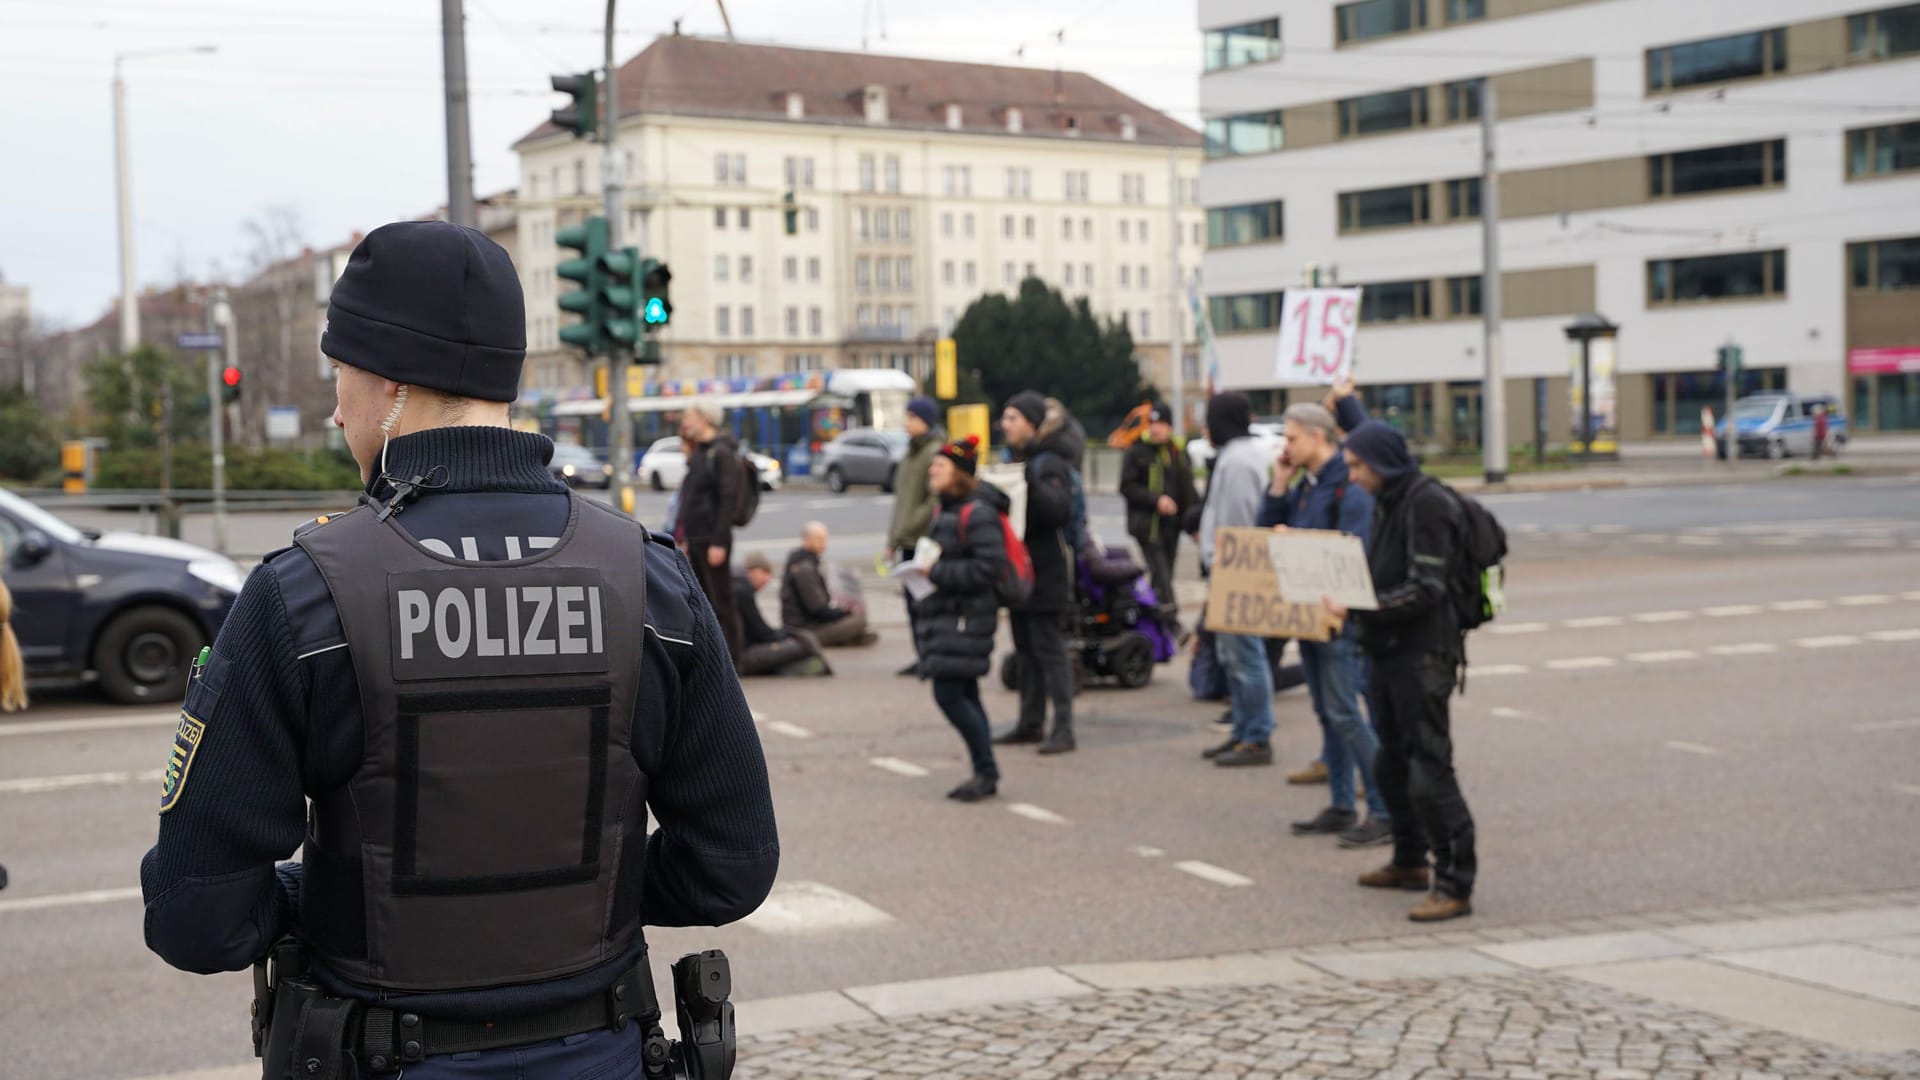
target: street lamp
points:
(123, 184)
(1584, 330)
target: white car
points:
(1271, 436)
(664, 466)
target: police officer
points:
(482, 682)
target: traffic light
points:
(620, 297)
(589, 238)
(657, 306)
(1729, 358)
(791, 211)
(230, 385)
(583, 116)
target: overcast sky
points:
(335, 109)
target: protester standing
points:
(1236, 490)
(1156, 481)
(1414, 642)
(708, 498)
(1049, 443)
(913, 498)
(956, 623)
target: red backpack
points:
(1015, 582)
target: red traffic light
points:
(231, 376)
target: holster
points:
(300, 1032)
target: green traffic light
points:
(656, 311)
(589, 239)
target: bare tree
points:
(281, 278)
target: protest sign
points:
(1309, 564)
(1317, 332)
(1243, 596)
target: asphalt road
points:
(1698, 696)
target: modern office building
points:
(1700, 173)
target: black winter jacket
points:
(709, 493)
(1051, 460)
(1417, 526)
(1148, 471)
(954, 627)
(806, 601)
(752, 624)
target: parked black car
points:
(577, 466)
(131, 611)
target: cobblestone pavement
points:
(1506, 1026)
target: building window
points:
(1885, 265)
(903, 272)
(1249, 133)
(1721, 168)
(722, 321)
(946, 224)
(813, 219)
(1066, 228)
(883, 272)
(1396, 301)
(746, 268)
(1190, 367)
(966, 180)
(1717, 60)
(1383, 208)
(814, 322)
(1146, 277)
(1086, 274)
(1883, 151)
(949, 181)
(1459, 11)
(1395, 110)
(746, 218)
(1747, 275)
(1143, 230)
(813, 268)
(1463, 199)
(1369, 19)
(1086, 229)
(882, 225)
(1245, 313)
(863, 224)
(1007, 275)
(1126, 187)
(949, 318)
(804, 362)
(903, 224)
(1029, 272)
(720, 218)
(793, 322)
(886, 315)
(1126, 276)
(1146, 324)
(863, 316)
(721, 263)
(1876, 35)
(866, 172)
(1006, 226)
(1250, 43)
(863, 272)
(734, 366)
(972, 277)
(1126, 230)
(906, 318)
(1463, 100)
(966, 226)
(746, 321)
(1066, 275)
(1029, 227)
(790, 270)
(893, 174)
(1019, 183)
(1463, 296)
(946, 272)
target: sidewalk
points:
(1820, 988)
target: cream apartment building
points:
(917, 187)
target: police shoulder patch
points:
(186, 743)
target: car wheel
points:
(886, 486)
(658, 484)
(1777, 449)
(145, 655)
(836, 481)
(1132, 661)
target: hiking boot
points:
(1225, 719)
(1413, 878)
(1246, 753)
(1439, 907)
(1315, 773)
(975, 789)
(1017, 736)
(1212, 752)
(1370, 833)
(1060, 741)
(911, 671)
(1330, 820)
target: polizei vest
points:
(495, 831)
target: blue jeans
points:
(596, 1055)
(959, 699)
(1249, 685)
(1333, 678)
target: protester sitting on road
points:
(957, 621)
(1311, 490)
(1414, 643)
(806, 602)
(1236, 487)
(769, 651)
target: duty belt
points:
(390, 1038)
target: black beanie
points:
(1382, 449)
(429, 303)
(1030, 404)
(1229, 416)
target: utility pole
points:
(453, 43)
(1493, 386)
(619, 358)
(1176, 341)
(123, 189)
(219, 321)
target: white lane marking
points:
(1798, 605)
(1728, 611)
(1886, 725)
(1494, 671)
(1503, 712)
(1663, 616)
(791, 731)
(1593, 622)
(1827, 641)
(1909, 789)
(1871, 542)
(1528, 529)
(1146, 852)
(1701, 541)
(1209, 872)
(1695, 748)
(898, 767)
(1866, 600)
(1582, 663)
(1915, 595)
(802, 907)
(758, 716)
(1745, 648)
(1037, 813)
(33, 785)
(1782, 541)
(1911, 633)
(1521, 628)
(1653, 538)
(90, 723)
(1663, 656)
(59, 900)
(826, 504)
(1609, 530)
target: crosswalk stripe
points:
(60, 900)
(1727, 611)
(1886, 725)
(1582, 663)
(1037, 813)
(801, 907)
(1663, 656)
(1494, 671)
(1866, 600)
(1695, 748)
(1520, 628)
(1593, 622)
(898, 767)
(791, 731)
(1911, 633)
(1216, 874)
(1827, 641)
(1745, 648)
(1663, 616)
(1798, 605)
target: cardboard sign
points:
(1244, 596)
(1309, 564)
(1317, 332)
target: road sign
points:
(205, 339)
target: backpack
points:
(1076, 530)
(748, 502)
(1014, 584)
(1476, 581)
